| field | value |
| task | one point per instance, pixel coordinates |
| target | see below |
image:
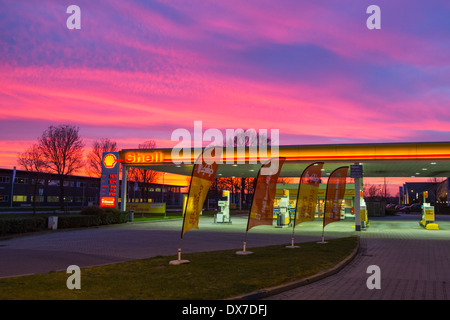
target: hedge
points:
(22, 225)
(97, 217)
(80, 221)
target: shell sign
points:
(107, 202)
(109, 182)
(109, 161)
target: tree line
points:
(60, 150)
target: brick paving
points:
(414, 265)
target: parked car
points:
(416, 207)
(400, 207)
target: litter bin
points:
(131, 215)
(53, 222)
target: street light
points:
(162, 190)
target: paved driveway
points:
(56, 250)
(414, 265)
(414, 262)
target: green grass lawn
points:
(152, 217)
(176, 215)
(208, 276)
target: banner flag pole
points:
(244, 251)
(244, 247)
(179, 260)
(308, 188)
(261, 210)
(333, 198)
(292, 246)
(323, 231)
(203, 173)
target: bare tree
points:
(385, 192)
(247, 139)
(94, 158)
(435, 188)
(31, 161)
(142, 176)
(62, 152)
(372, 191)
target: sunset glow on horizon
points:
(138, 70)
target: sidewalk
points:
(414, 265)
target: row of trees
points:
(241, 188)
(60, 150)
(437, 192)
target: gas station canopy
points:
(424, 159)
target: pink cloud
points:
(134, 66)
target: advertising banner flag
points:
(203, 175)
(307, 193)
(261, 212)
(335, 195)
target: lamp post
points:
(162, 190)
(12, 186)
(448, 191)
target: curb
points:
(264, 293)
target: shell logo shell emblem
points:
(109, 161)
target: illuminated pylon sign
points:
(109, 161)
(109, 180)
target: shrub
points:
(78, 221)
(112, 210)
(89, 217)
(22, 225)
(92, 210)
(98, 217)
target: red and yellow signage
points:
(108, 202)
(335, 195)
(143, 157)
(109, 161)
(202, 177)
(367, 152)
(261, 212)
(109, 192)
(307, 193)
(305, 153)
(147, 207)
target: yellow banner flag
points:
(307, 193)
(335, 195)
(203, 174)
(261, 212)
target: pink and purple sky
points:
(137, 70)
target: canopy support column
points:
(123, 196)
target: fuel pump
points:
(428, 214)
(223, 216)
(283, 213)
(363, 213)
